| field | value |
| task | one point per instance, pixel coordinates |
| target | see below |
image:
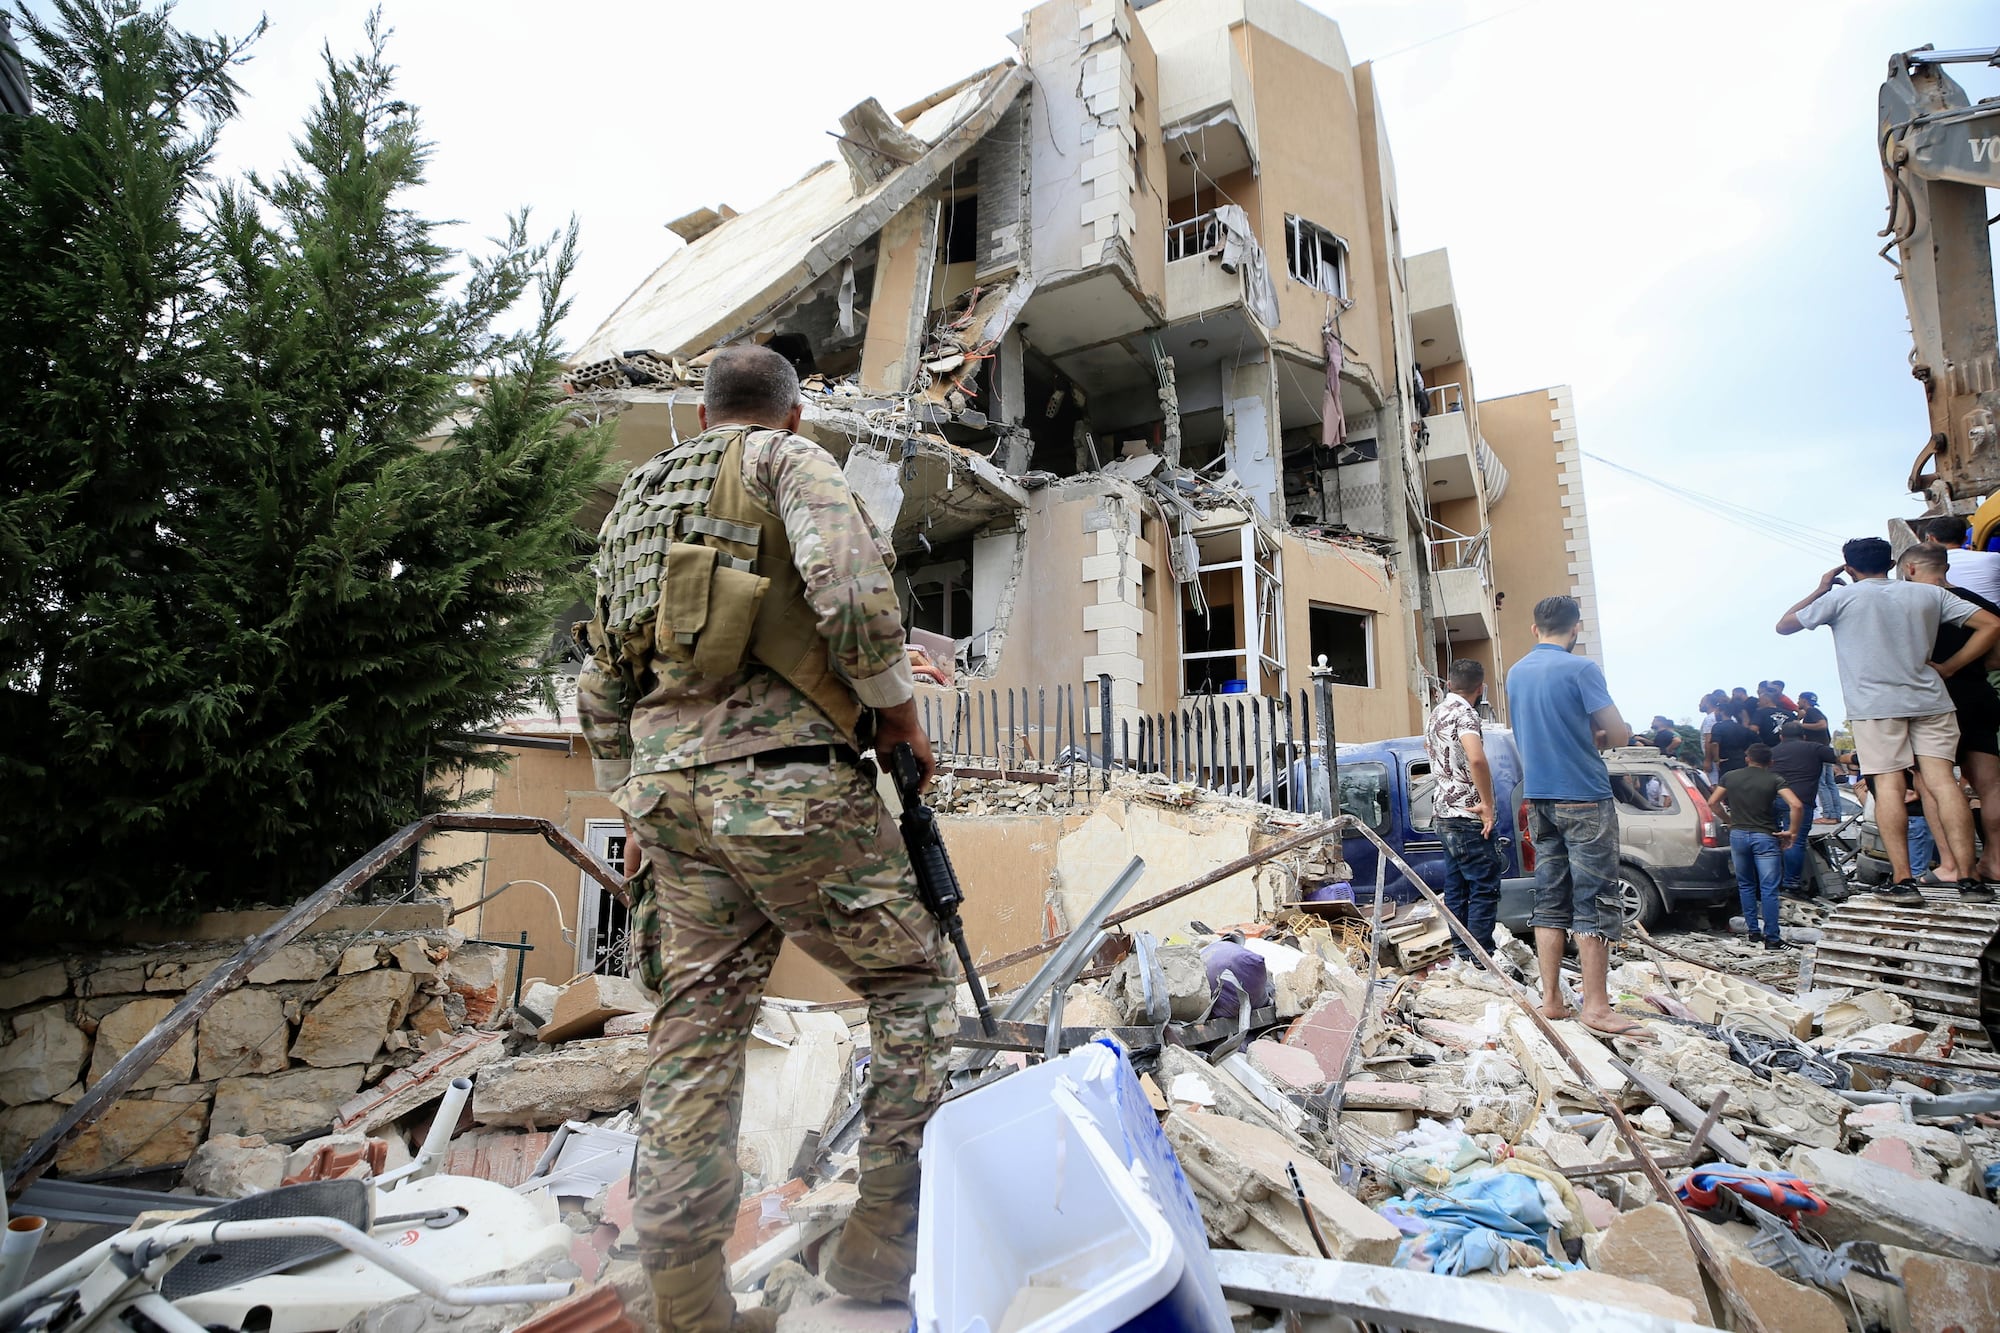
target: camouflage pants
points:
(742, 857)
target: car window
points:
(1423, 795)
(1364, 793)
(1644, 792)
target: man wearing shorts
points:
(1563, 715)
(1975, 701)
(1896, 699)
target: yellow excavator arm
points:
(1940, 154)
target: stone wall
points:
(326, 1016)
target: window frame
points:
(1304, 236)
(1368, 645)
(1383, 792)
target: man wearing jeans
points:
(1462, 810)
(1748, 798)
(1562, 714)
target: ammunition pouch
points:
(708, 610)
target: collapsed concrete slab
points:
(577, 1080)
(1872, 1202)
(1239, 1178)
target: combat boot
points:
(694, 1298)
(877, 1251)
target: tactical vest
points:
(690, 568)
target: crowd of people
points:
(1919, 663)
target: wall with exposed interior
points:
(1355, 580)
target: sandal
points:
(1635, 1033)
(1975, 891)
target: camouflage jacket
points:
(685, 719)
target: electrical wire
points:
(1452, 32)
(1785, 532)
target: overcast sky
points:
(1671, 208)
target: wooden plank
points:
(120, 1077)
(1670, 1099)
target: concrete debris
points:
(585, 1004)
(1603, 1289)
(1871, 1202)
(231, 1166)
(572, 1082)
(1649, 1245)
(539, 1001)
(1239, 1176)
(800, 1069)
(405, 1090)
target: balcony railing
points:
(1445, 398)
(1455, 550)
(1197, 236)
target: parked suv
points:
(1672, 852)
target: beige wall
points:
(1335, 575)
(1309, 143)
(555, 786)
(1529, 558)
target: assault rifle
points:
(937, 882)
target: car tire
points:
(1640, 897)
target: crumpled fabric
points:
(1241, 251)
(1492, 1220)
(1243, 965)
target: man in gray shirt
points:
(1896, 700)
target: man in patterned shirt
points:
(1462, 809)
(746, 629)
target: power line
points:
(1786, 532)
(1453, 32)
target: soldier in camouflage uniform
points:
(745, 620)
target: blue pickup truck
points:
(1672, 853)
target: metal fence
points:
(1276, 750)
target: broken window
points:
(1364, 793)
(1423, 795)
(940, 592)
(1345, 640)
(1315, 256)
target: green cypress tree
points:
(295, 510)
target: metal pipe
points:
(161, 1312)
(146, 1246)
(443, 1126)
(18, 1244)
(53, 1281)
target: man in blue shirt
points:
(1562, 714)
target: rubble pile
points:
(1330, 1083)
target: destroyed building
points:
(1118, 342)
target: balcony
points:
(1462, 585)
(1451, 465)
(1434, 324)
(1208, 117)
(1197, 284)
